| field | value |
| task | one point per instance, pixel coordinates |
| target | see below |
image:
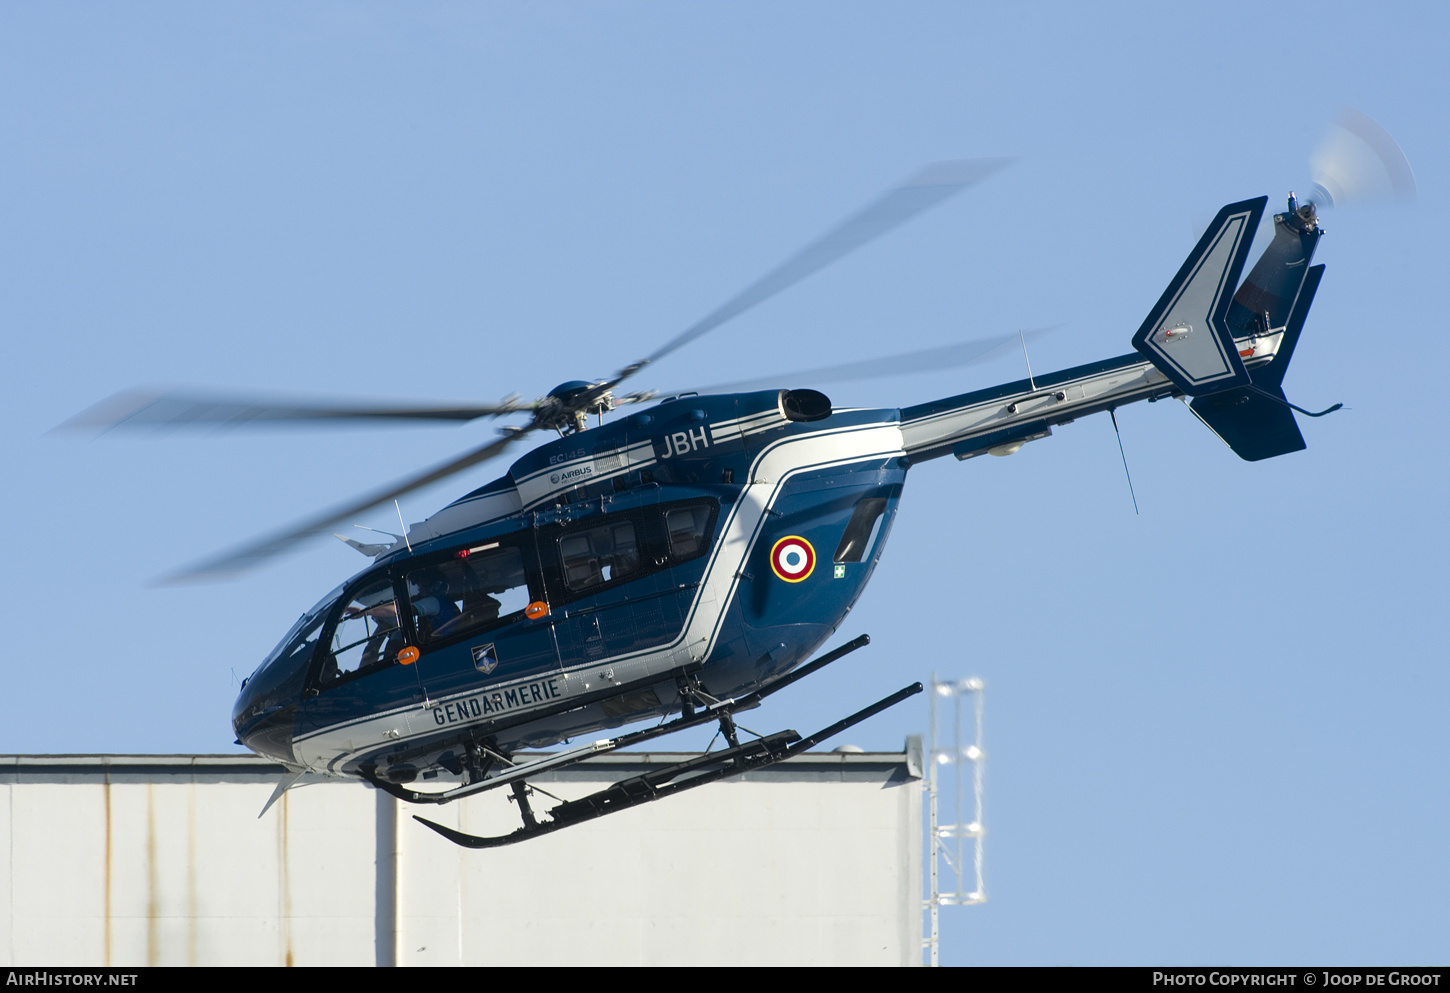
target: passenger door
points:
(468, 607)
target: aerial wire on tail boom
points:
(1113, 413)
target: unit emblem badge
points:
(485, 658)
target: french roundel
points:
(792, 558)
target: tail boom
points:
(1225, 349)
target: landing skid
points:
(714, 710)
(699, 708)
(710, 766)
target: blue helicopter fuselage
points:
(647, 548)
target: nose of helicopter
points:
(264, 717)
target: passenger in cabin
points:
(480, 609)
(434, 604)
(490, 575)
(468, 592)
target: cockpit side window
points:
(473, 589)
(366, 635)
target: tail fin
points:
(1190, 335)
(1187, 334)
(1264, 302)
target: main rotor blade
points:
(906, 363)
(928, 188)
(157, 409)
(241, 559)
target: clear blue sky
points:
(1216, 731)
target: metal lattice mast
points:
(948, 840)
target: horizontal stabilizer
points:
(1255, 425)
(1186, 335)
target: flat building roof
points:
(162, 859)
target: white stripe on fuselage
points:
(583, 468)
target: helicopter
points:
(684, 560)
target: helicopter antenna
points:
(1023, 338)
(1113, 413)
(390, 534)
(403, 526)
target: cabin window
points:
(599, 555)
(861, 530)
(366, 635)
(475, 588)
(689, 530)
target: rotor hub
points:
(566, 408)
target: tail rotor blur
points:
(1357, 162)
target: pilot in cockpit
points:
(386, 639)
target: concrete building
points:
(162, 860)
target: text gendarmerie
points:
(496, 702)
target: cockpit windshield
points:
(303, 634)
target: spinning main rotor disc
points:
(564, 408)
